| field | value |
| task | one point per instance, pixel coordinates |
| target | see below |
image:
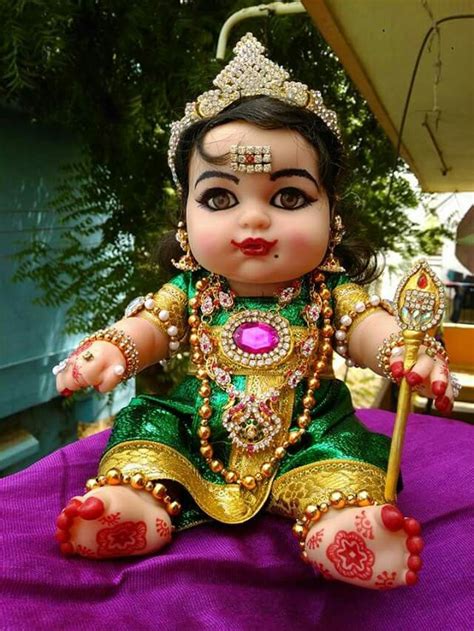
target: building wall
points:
(31, 336)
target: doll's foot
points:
(113, 521)
(374, 547)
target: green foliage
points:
(117, 73)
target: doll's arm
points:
(368, 331)
(153, 327)
(102, 364)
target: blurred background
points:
(87, 92)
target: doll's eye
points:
(291, 199)
(217, 199)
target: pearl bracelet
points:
(123, 342)
(347, 320)
(392, 346)
(161, 315)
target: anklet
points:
(313, 513)
(139, 482)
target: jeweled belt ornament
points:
(260, 339)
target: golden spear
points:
(420, 306)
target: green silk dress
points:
(157, 436)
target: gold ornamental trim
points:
(313, 484)
(345, 299)
(227, 503)
(174, 300)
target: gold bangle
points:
(123, 342)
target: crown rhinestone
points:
(249, 73)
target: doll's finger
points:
(396, 362)
(439, 378)
(111, 377)
(444, 402)
(419, 371)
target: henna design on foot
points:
(385, 580)
(350, 556)
(121, 540)
(315, 539)
(162, 528)
(363, 525)
(110, 520)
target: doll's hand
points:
(98, 364)
(429, 376)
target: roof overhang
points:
(378, 42)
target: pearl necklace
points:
(258, 411)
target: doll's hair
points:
(356, 254)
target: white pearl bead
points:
(346, 320)
(149, 303)
(374, 300)
(342, 350)
(350, 362)
(164, 315)
(174, 346)
(340, 335)
(119, 370)
(360, 307)
(397, 350)
(172, 330)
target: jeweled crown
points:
(249, 73)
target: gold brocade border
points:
(227, 503)
(313, 484)
(174, 300)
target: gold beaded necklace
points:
(206, 371)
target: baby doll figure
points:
(259, 422)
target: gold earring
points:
(187, 263)
(331, 263)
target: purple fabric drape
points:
(238, 578)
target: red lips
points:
(254, 247)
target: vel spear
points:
(420, 307)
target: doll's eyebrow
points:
(292, 172)
(223, 174)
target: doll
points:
(259, 422)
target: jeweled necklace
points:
(251, 420)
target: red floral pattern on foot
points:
(110, 520)
(363, 525)
(315, 540)
(86, 552)
(162, 528)
(350, 556)
(385, 580)
(124, 539)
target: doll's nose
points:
(254, 217)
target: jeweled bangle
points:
(361, 310)
(160, 318)
(123, 342)
(395, 340)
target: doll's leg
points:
(370, 546)
(113, 521)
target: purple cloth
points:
(242, 577)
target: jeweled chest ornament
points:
(251, 158)
(263, 338)
(256, 338)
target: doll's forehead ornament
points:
(251, 158)
(249, 73)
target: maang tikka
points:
(331, 263)
(187, 263)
